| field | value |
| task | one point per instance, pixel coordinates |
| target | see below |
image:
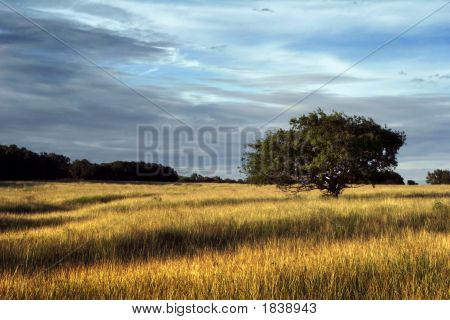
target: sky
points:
(103, 68)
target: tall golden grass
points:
(219, 241)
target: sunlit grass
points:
(219, 241)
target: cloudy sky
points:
(219, 63)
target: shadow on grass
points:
(30, 207)
(89, 200)
(418, 195)
(67, 205)
(229, 201)
(157, 203)
(219, 236)
(20, 223)
(18, 184)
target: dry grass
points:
(211, 241)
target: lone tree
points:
(329, 152)
(438, 176)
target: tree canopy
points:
(323, 151)
(22, 164)
(438, 176)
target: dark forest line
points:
(19, 164)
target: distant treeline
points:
(386, 178)
(438, 176)
(22, 164)
(122, 171)
(195, 177)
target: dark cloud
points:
(219, 47)
(54, 100)
(263, 10)
(21, 36)
(103, 10)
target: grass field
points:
(219, 241)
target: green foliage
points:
(324, 151)
(438, 176)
